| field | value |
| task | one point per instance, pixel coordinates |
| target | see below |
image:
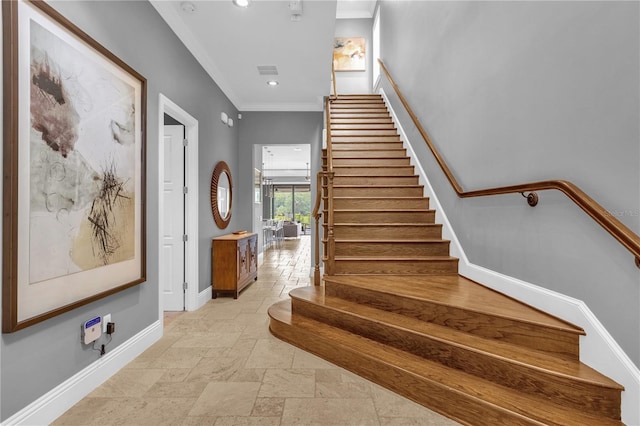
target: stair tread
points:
(388, 224)
(541, 361)
(383, 210)
(360, 240)
(451, 379)
(395, 258)
(458, 291)
(378, 186)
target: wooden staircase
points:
(397, 312)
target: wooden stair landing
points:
(396, 311)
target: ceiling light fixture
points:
(188, 7)
(242, 3)
(272, 83)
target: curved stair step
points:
(458, 395)
(459, 303)
(562, 380)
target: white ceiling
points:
(231, 42)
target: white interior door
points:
(173, 230)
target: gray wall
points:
(514, 92)
(274, 128)
(40, 357)
(356, 82)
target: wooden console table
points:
(234, 263)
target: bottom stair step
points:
(458, 395)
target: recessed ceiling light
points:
(297, 149)
(272, 83)
(242, 3)
(188, 7)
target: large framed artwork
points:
(349, 53)
(74, 147)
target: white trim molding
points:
(54, 403)
(598, 349)
(165, 105)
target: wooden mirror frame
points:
(220, 168)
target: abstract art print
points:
(349, 53)
(73, 203)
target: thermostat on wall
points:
(91, 330)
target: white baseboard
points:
(54, 403)
(204, 296)
(597, 349)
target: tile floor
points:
(221, 366)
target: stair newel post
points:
(317, 214)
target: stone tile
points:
(95, 411)
(390, 404)
(302, 359)
(157, 411)
(342, 390)
(179, 358)
(248, 421)
(323, 375)
(216, 369)
(226, 399)
(174, 374)
(271, 353)
(282, 383)
(176, 390)
(128, 383)
(207, 340)
(433, 420)
(329, 411)
(268, 407)
(199, 421)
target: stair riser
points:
(428, 393)
(362, 120)
(363, 146)
(567, 392)
(370, 162)
(374, 233)
(363, 116)
(439, 248)
(384, 114)
(358, 133)
(397, 267)
(375, 180)
(362, 126)
(477, 323)
(364, 139)
(380, 203)
(377, 109)
(379, 171)
(348, 106)
(377, 153)
(378, 192)
(351, 101)
(384, 217)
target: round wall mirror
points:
(221, 194)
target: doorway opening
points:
(178, 213)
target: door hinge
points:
(185, 142)
(185, 189)
(185, 286)
(185, 238)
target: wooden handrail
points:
(604, 218)
(328, 269)
(333, 79)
